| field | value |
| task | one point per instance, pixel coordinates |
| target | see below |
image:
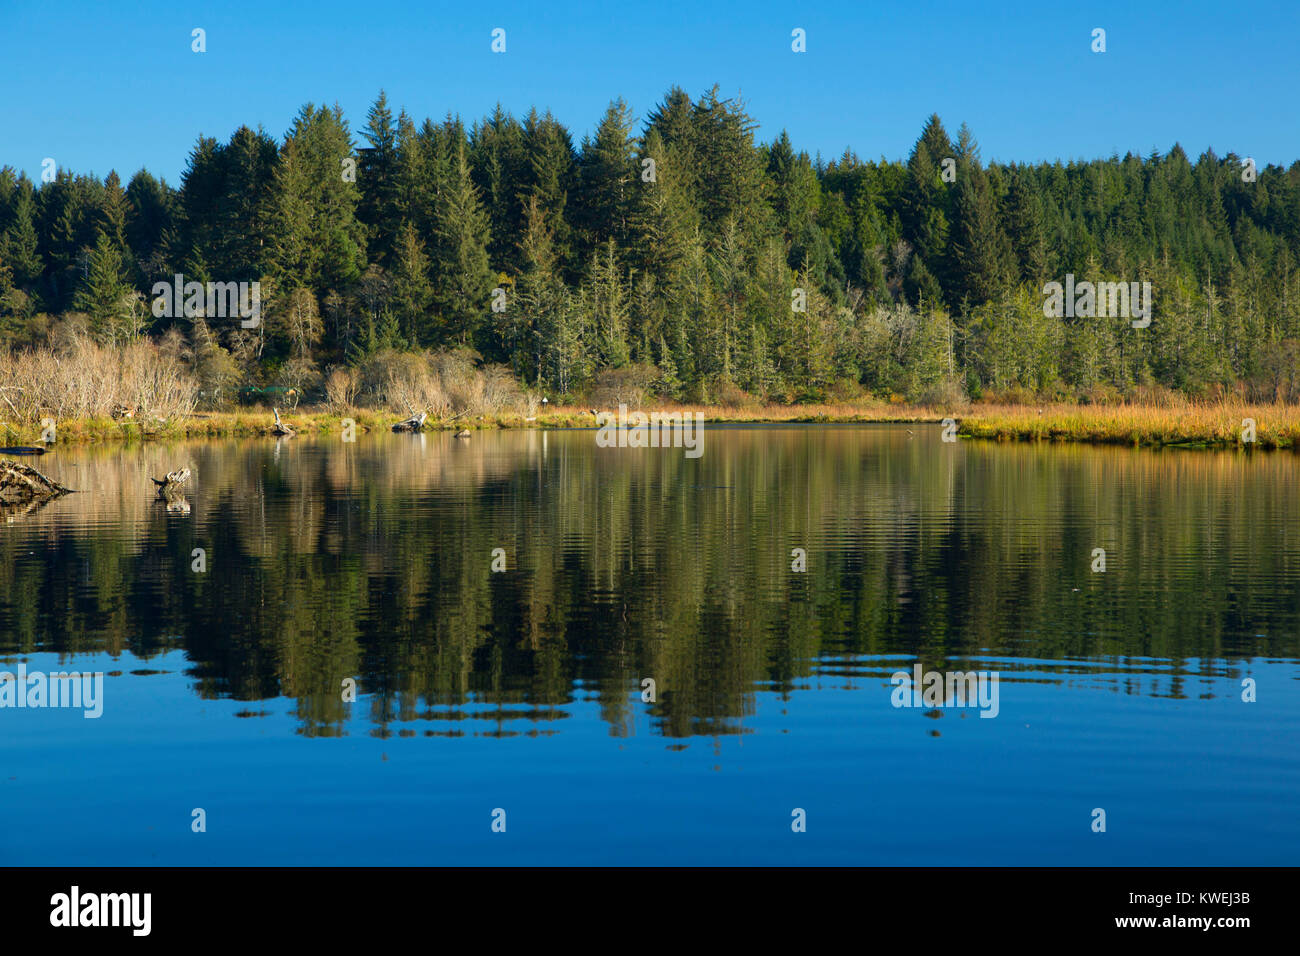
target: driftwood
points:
(413, 424)
(280, 428)
(173, 479)
(21, 483)
(23, 450)
(171, 490)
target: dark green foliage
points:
(684, 246)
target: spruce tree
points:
(464, 279)
(608, 175)
(105, 295)
(377, 180)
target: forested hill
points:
(676, 248)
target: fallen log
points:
(23, 450)
(21, 483)
(413, 424)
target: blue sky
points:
(98, 88)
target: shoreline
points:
(1224, 425)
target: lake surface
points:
(521, 690)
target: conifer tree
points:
(464, 279)
(499, 163)
(21, 242)
(608, 175)
(412, 293)
(105, 296)
(982, 266)
(377, 179)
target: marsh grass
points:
(1210, 425)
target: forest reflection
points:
(372, 560)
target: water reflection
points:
(288, 566)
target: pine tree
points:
(292, 255)
(112, 213)
(21, 241)
(105, 295)
(537, 315)
(664, 220)
(499, 163)
(982, 260)
(796, 193)
(316, 240)
(202, 190)
(377, 175)
(730, 178)
(464, 279)
(1024, 220)
(927, 202)
(608, 298)
(551, 173)
(608, 175)
(150, 224)
(412, 296)
(248, 164)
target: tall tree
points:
(106, 296)
(378, 178)
(500, 165)
(464, 279)
(608, 175)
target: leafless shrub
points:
(341, 386)
(624, 386)
(440, 383)
(501, 391)
(81, 379)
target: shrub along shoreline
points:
(1222, 425)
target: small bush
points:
(341, 388)
(628, 385)
(1102, 394)
(731, 395)
(947, 394)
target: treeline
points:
(680, 255)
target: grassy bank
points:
(308, 421)
(1205, 426)
(1219, 425)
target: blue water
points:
(557, 735)
(878, 784)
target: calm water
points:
(522, 689)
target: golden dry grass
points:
(1211, 425)
(1221, 424)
